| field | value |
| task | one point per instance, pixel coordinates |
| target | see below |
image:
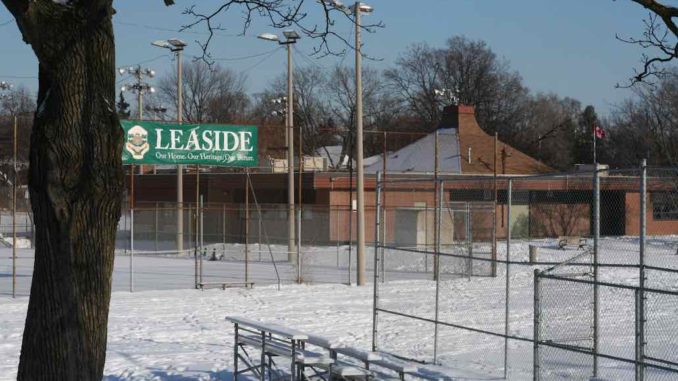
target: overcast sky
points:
(563, 46)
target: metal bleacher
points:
(272, 352)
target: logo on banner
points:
(137, 142)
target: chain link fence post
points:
(438, 221)
(509, 199)
(535, 335)
(375, 295)
(596, 243)
(131, 249)
(640, 300)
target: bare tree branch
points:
(660, 35)
(279, 14)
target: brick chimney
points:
(457, 115)
(476, 147)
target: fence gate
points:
(564, 321)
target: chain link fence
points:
(236, 244)
(616, 321)
(595, 239)
(455, 263)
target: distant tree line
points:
(556, 130)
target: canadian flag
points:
(599, 132)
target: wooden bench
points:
(225, 285)
(579, 242)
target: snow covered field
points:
(167, 331)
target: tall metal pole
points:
(14, 212)
(247, 226)
(596, 251)
(139, 94)
(359, 149)
(200, 216)
(509, 201)
(595, 153)
(377, 227)
(291, 250)
(439, 214)
(536, 367)
(494, 208)
(180, 168)
(436, 226)
(131, 185)
(299, 189)
(641, 297)
(131, 228)
(198, 271)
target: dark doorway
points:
(612, 213)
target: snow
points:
(168, 331)
(420, 156)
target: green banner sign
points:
(149, 142)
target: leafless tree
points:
(547, 131)
(659, 40)
(470, 67)
(647, 126)
(341, 92)
(17, 101)
(211, 93)
(311, 109)
(416, 75)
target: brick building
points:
(542, 206)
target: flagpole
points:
(595, 161)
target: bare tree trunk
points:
(75, 184)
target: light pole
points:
(291, 38)
(138, 86)
(177, 46)
(357, 10)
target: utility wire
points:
(147, 61)
(261, 61)
(186, 31)
(247, 57)
(307, 58)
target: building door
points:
(612, 213)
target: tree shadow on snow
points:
(171, 375)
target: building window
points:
(665, 206)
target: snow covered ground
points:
(167, 331)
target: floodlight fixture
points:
(269, 37)
(173, 44)
(291, 35)
(365, 8)
(177, 43)
(162, 44)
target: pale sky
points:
(567, 47)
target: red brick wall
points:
(653, 227)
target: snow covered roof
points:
(419, 156)
(332, 154)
